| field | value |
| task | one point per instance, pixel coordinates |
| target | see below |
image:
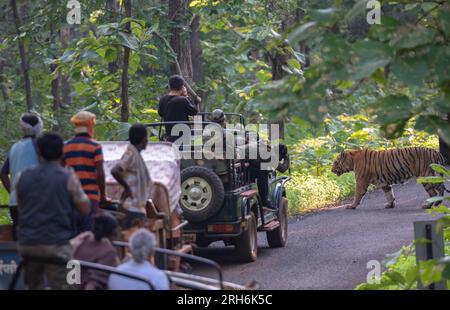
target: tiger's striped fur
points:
(386, 168)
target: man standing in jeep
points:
(176, 106)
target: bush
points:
(308, 192)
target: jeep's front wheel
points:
(247, 242)
(277, 238)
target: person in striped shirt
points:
(85, 156)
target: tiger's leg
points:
(431, 190)
(360, 191)
(389, 196)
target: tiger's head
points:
(343, 163)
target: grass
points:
(4, 214)
(308, 193)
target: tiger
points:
(386, 168)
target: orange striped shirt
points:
(82, 153)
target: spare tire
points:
(202, 193)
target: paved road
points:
(329, 249)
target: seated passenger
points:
(217, 116)
(142, 248)
(262, 175)
(215, 138)
(96, 247)
(257, 174)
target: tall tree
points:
(112, 6)
(23, 55)
(66, 99)
(55, 88)
(197, 57)
(125, 108)
(178, 39)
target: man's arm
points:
(190, 107)
(117, 172)
(79, 197)
(100, 172)
(284, 160)
(161, 108)
(4, 176)
(18, 194)
(101, 180)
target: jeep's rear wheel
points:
(277, 238)
(202, 193)
(247, 242)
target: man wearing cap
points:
(85, 156)
(176, 106)
(23, 154)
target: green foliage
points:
(4, 217)
(308, 193)
(313, 151)
(315, 154)
(4, 197)
(402, 271)
(385, 86)
(4, 214)
(399, 62)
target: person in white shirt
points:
(142, 247)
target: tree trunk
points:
(3, 84)
(177, 15)
(444, 148)
(66, 90)
(197, 58)
(55, 82)
(278, 61)
(6, 98)
(303, 47)
(125, 108)
(113, 6)
(65, 35)
(23, 57)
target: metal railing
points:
(83, 264)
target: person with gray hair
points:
(23, 154)
(142, 248)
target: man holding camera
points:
(176, 106)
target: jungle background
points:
(318, 68)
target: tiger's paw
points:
(389, 205)
(349, 206)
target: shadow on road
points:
(226, 255)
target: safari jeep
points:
(221, 203)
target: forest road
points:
(328, 249)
